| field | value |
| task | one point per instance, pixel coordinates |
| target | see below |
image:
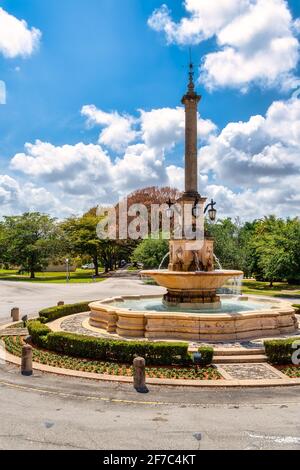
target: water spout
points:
(162, 261)
(218, 262)
(234, 286)
(197, 262)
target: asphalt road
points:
(31, 297)
(48, 412)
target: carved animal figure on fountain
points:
(178, 261)
(191, 256)
(208, 256)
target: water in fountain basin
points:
(155, 305)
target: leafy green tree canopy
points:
(30, 240)
(150, 252)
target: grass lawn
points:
(263, 288)
(80, 276)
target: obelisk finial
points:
(191, 73)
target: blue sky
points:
(107, 54)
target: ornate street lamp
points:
(212, 213)
(170, 210)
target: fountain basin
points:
(124, 316)
(196, 288)
(195, 280)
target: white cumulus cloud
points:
(251, 168)
(164, 128)
(118, 130)
(16, 38)
(263, 146)
(256, 40)
(16, 197)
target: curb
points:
(225, 383)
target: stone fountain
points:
(191, 308)
(191, 280)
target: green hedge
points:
(38, 332)
(118, 351)
(280, 351)
(105, 349)
(83, 346)
(207, 354)
(77, 345)
(53, 313)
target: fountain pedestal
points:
(192, 256)
(193, 299)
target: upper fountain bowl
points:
(192, 281)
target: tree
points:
(81, 233)
(30, 240)
(82, 237)
(245, 236)
(3, 244)
(150, 252)
(112, 252)
(276, 250)
(226, 243)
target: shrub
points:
(89, 347)
(280, 351)
(207, 354)
(154, 353)
(78, 345)
(53, 313)
(38, 332)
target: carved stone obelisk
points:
(190, 101)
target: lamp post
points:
(67, 270)
(212, 212)
(170, 210)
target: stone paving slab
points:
(251, 372)
(74, 324)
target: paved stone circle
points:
(73, 324)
